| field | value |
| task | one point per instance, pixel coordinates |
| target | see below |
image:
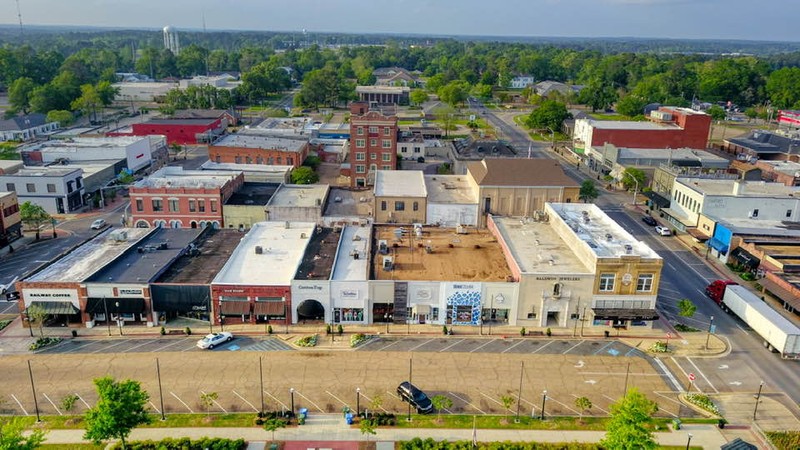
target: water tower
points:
(171, 40)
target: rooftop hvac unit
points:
(303, 235)
(337, 199)
(118, 235)
(628, 249)
(609, 237)
(288, 224)
(461, 229)
(388, 263)
(259, 250)
(318, 202)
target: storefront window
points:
(348, 314)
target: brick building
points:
(259, 149)
(177, 198)
(178, 130)
(373, 144)
(668, 127)
(10, 222)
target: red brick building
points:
(178, 131)
(174, 198)
(373, 144)
(669, 127)
(259, 149)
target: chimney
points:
(738, 187)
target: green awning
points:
(54, 308)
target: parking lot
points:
(164, 344)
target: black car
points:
(418, 399)
(649, 220)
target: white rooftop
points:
(77, 143)
(280, 126)
(786, 167)
(758, 227)
(84, 261)
(215, 166)
(45, 171)
(400, 183)
(246, 140)
(176, 177)
(298, 195)
(605, 237)
(631, 125)
(354, 240)
(665, 153)
(382, 89)
(534, 244)
(747, 188)
(449, 189)
(282, 251)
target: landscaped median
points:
(509, 422)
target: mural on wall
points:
(465, 307)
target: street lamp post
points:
(710, 327)
(491, 310)
(119, 322)
(519, 392)
(358, 401)
(291, 393)
(688, 441)
(108, 319)
(758, 398)
(544, 400)
(635, 188)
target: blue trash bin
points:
(349, 418)
(304, 411)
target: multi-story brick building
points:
(181, 131)
(259, 149)
(10, 222)
(180, 198)
(669, 127)
(373, 144)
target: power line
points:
(19, 15)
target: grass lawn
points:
(47, 446)
(173, 421)
(507, 422)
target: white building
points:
(135, 150)
(143, 91)
(521, 82)
(171, 41)
(58, 190)
(451, 201)
(25, 128)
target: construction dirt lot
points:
(327, 381)
(475, 256)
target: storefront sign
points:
(558, 279)
(33, 295)
(348, 294)
(423, 294)
(313, 287)
(131, 291)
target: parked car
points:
(649, 220)
(418, 399)
(664, 231)
(98, 224)
(214, 339)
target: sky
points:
(693, 19)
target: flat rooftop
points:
(261, 141)
(399, 183)
(449, 189)
(151, 257)
(632, 125)
(253, 194)
(215, 248)
(756, 227)
(382, 89)
(352, 257)
(674, 154)
(785, 167)
(533, 245)
(748, 188)
(83, 262)
(176, 177)
(476, 256)
(319, 256)
(605, 237)
(344, 202)
(278, 125)
(282, 251)
(301, 196)
(77, 143)
(50, 171)
(253, 168)
(179, 121)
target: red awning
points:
(235, 308)
(269, 308)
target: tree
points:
(597, 95)
(441, 402)
(447, 116)
(418, 96)
(376, 402)
(88, 102)
(686, 308)
(37, 314)
(583, 404)
(751, 113)
(34, 216)
(482, 91)
(549, 116)
(507, 401)
(274, 424)
(68, 402)
(367, 428)
(19, 94)
(633, 178)
(121, 407)
(628, 428)
(454, 93)
(12, 436)
(717, 113)
(324, 87)
(312, 161)
(63, 117)
(631, 105)
(304, 175)
(207, 399)
(588, 192)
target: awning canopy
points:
(658, 199)
(180, 298)
(677, 215)
(115, 305)
(269, 308)
(54, 308)
(744, 258)
(697, 234)
(235, 308)
(421, 309)
(780, 292)
(624, 314)
(718, 245)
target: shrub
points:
(444, 330)
(307, 341)
(327, 329)
(522, 331)
(186, 444)
(703, 402)
(188, 331)
(659, 347)
(784, 440)
(4, 323)
(340, 330)
(269, 329)
(44, 342)
(548, 332)
(685, 328)
(357, 339)
(163, 331)
(747, 276)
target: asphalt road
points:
(509, 131)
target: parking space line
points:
(702, 374)
(387, 346)
(216, 403)
(573, 347)
(245, 400)
(184, 403)
(82, 400)
(124, 341)
(492, 399)
(150, 341)
(175, 341)
(420, 345)
(562, 404)
(54, 405)
(276, 399)
(78, 347)
(452, 345)
(594, 406)
(340, 400)
(603, 347)
(309, 401)
(628, 353)
(482, 345)
(669, 398)
(466, 402)
(393, 395)
(20, 404)
(154, 407)
(545, 345)
(509, 348)
(664, 409)
(368, 399)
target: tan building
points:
(10, 220)
(519, 187)
(400, 196)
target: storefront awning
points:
(421, 309)
(269, 308)
(658, 199)
(115, 305)
(180, 298)
(624, 314)
(677, 215)
(697, 234)
(780, 292)
(744, 258)
(235, 308)
(54, 308)
(718, 245)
